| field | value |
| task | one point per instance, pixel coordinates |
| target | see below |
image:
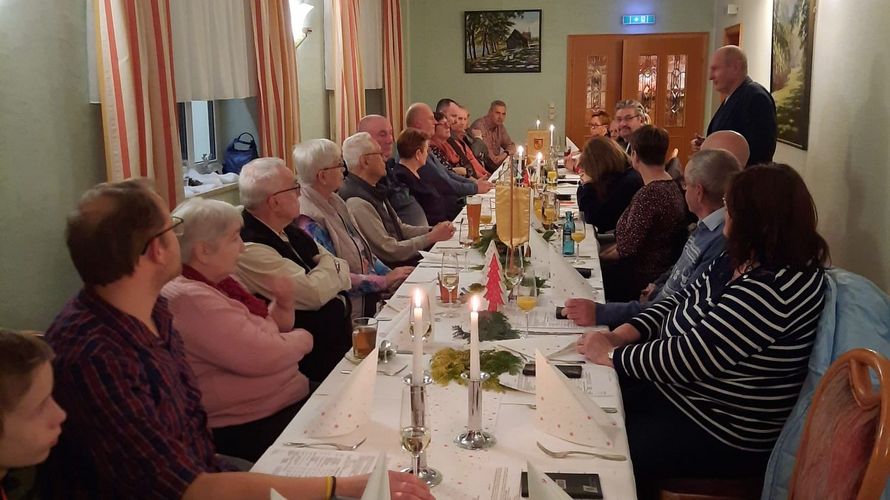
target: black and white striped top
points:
(731, 355)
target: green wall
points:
(50, 152)
(434, 42)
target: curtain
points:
(277, 96)
(393, 76)
(213, 50)
(137, 93)
(349, 88)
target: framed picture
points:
(502, 41)
(792, 68)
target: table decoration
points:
(493, 325)
(449, 364)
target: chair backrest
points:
(845, 449)
(856, 315)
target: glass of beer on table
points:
(364, 337)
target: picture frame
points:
(502, 41)
(791, 68)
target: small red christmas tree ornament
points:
(494, 284)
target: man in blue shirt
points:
(706, 176)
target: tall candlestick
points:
(474, 339)
(552, 128)
(419, 329)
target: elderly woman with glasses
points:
(244, 353)
(325, 217)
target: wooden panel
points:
(580, 49)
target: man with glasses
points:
(630, 116)
(278, 253)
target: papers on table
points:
(594, 383)
(351, 408)
(280, 460)
(564, 411)
(543, 321)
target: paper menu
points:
(281, 460)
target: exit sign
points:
(638, 19)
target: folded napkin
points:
(377, 487)
(566, 412)
(350, 408)
(541, 487)
(565, 281)
(540, 250)
(274, 495)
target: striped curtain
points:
(137, 93)
(349, 89)
(393, 76)
(277, 97)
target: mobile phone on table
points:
(576, 484)
(570, 371)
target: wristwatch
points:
(611, 353)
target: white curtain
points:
(370, 33)
(213, 50)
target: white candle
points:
(538, 159)
(552, 128)
(419, 329)
(520, 151)
(474, 339)
(537, 124)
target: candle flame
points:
(520, 150)
(552, 127)
(418, 298)
(474, 303)
(539, 156)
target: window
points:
(197, 135)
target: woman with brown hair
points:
(709, 375)
(607, 183)
(599, 123)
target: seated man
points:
(275, 248)
(30, 419)
(494, 134)
(630, 115)
(463, 144)
(397, 193)
(706, 178)
(393, 241)
(136, 427)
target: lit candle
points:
(419, 329)
(520, 151)
(474, 339)
(552, 128)
(538, 159)
(537, 124)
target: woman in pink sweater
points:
(243, 352)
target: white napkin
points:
(571, 145)
(565, 281)
(486, 260)
(541, 487)
(377, 487)
(566, 412)
(274, 495)
(540, 250)
(349, 409)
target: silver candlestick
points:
(475, 438)
(427, 474)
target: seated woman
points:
(709, 375)
(441, 150)
(599, 123)
(608, 183)
(30, 419)
(325, 217)
(424, 186)
(651, 231)
(243, 352)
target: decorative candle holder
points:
(474, 438)
(427, 474)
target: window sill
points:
(211, 193)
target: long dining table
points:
(492, 473)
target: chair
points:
(847, 409)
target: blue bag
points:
(238, 153)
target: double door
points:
(667, 73)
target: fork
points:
(606, 409)
(563, 454)
(341, 447)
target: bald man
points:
(748, 108)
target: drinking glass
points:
(487, 210)
(449, 276)
(364, 337)
(513, 268)
(578, 235)
(466, 240)
(527, 294)
(474, 212)
(414, 433)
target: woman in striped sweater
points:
(709, 375)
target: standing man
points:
(494, 133)
(409, 211)
(748, 108)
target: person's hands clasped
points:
(405, 486)
(581, 311)
(596, 346)
(441, 232)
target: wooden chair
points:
(845, 449)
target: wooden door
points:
(667, 73)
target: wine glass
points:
(578, 235)
(513, 268)
(449, 276)
(527, 294)
(466, 242)
(487, 210)
(414, 433)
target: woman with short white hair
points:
(325, 217)
(244, 352)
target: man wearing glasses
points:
(280, 254)
(630, 115)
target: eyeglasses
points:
(340, 164)
(176, 227)
(626, 118)
(441, 124)
(372, 154)
(296, 188)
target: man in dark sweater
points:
(748, 108)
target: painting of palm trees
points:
(502, 41)
(791, 68)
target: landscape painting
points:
(791, 69)
(502, 41)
